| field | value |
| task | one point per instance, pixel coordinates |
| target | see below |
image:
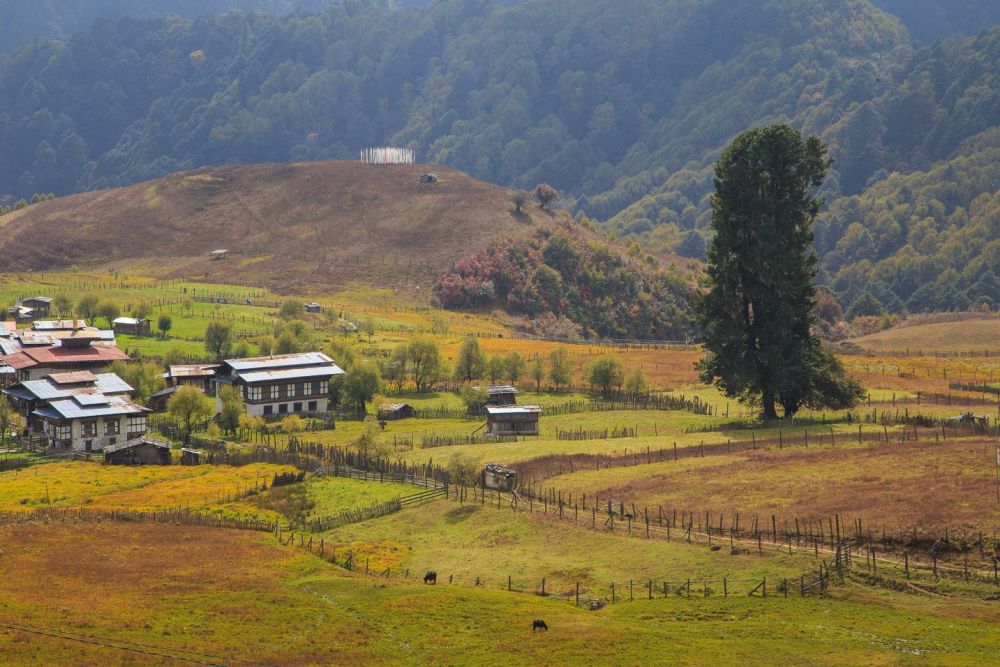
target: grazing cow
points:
(539, 624)
(431, 577)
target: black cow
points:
(539, 624)
(431, 577)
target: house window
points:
(297, 407)
(88, 429)
(89, 445)
(312, 406)
(268, 409)
(323, 388)
(112, 426)
(283, 408)
(253, 393)
(136, 426)
(300, 389)
(61, 432)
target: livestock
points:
(539, 624)
(431, 577)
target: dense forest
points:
(571, 285)
(622, 105)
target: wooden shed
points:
(500, 477)
(133, 326)
(313, 307)
(138, 451)
(501, 394)
(396, 411)
(220, 253)
(512, 419)
(157, 401)
(42, 305)
(190, 457)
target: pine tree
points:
(757, 313)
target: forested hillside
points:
(623, 105)
(21, 21)
(928, 20)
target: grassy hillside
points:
(968, 333)
(297, 225)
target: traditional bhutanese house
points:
(43, 353)
(42, 305)
(79, 410)
(281, 384)
(133, 326)
(158, 400)
(190, 457)
(138, 451)
(500, 477)
(395, 411)
(200, 375)
(501, 394)
(512, 419)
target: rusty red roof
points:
(57, 354)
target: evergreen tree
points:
(758, 311)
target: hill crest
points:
(287, 225)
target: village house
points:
(281, 384)
(200, 375)
(55, 347)
(133, 326)
(79, 410)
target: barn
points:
(138, 451)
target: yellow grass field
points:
(972, 333)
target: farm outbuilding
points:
(314, 307)
(190, 457)
(221, 253)
(138, 451)
(157, 401)
(396, 411)
(133, 326)
(512, 419)
(42, 305)
(501, 394)
(429, 178)
(500, 477)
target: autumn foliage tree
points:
(545, 194)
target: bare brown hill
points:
(288, 226)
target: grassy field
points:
(899, 485)
(970, 333)
(235, 597)
(79, 484)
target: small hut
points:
(499, 477)
(221, 253)
(501, 394)
(138, 451)
(42, 305)
(512, 419)
(190, 457)
(429, 177)
(133, 326)
(314, 307)
(395, 411)
(157, 401)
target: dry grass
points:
(973, 332)
(928, 484)
(313, 225)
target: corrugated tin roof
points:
(44, 389)
(127, 320)
(279, 361)
(58, 325)
(191, 370)
(311, 372)
(501, 389)
(68, 408)
(135, 442)
(8, 346)
(72, 377)
(513, 409)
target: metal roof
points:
(73, 377)
(191, 370)
(279, 361)
(513, 409)
(69, 408)
(58, 325)
(135, 442)
(501, 389)
(311, 372)
(45, 389)
(127, 320)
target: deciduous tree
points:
(191, 409)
